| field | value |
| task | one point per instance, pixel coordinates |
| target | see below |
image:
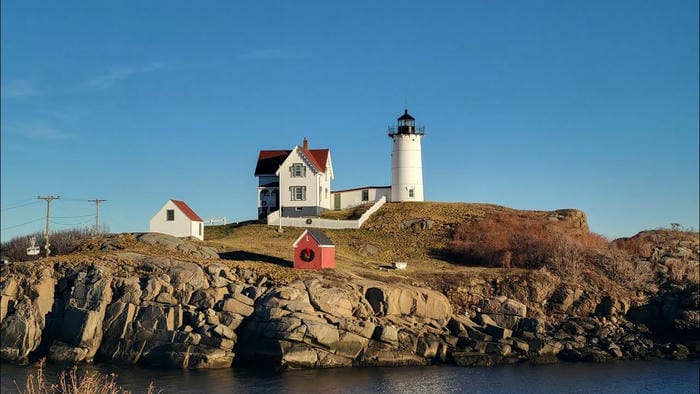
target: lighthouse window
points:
(298, 193)
(365, 195)
(297, 170)
(411, 192)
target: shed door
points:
(336, 201)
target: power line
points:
(20, 206)
(71, 224)
(19, 225)
(72, 199)
(18, 202)
(32, 200)
(73, 217)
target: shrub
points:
(70, 382)
(62, 242)
(565, 256)
(645, 243)
(673, 252)
(520, 240)
(528, 241)
(619, 266)
(680, 271)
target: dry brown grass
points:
(72, 382)
(678, 250)
(364, 252)
(62, 242)
(347, 214)
(506, 238)
(644, 243)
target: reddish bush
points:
(529, 241)
(520, 240)
(525, 240)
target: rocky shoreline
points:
(155, 311)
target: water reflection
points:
(622, 377)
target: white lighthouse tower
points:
(406, 160)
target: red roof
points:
(187, 211)
(316, 234)
(318, 157)
(269, 161)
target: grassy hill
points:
(417, 233)
(472, 251)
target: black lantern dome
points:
(406, 116)
(406, 125)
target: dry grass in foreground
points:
(71, 382)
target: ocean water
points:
(617, 377)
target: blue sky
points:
(528, 104)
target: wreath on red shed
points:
(307, 254)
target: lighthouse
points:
(406, 160)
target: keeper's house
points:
(297, 180)
(177, 219)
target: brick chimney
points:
(305, 144)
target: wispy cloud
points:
(16, 88)
(270, 54)
(120, 74)
(40, 131)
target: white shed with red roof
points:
(176, 218)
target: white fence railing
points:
(273, 219)
(215, 221)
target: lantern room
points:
(407, 123)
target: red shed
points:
(313, 251)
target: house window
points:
(320, 192)
(170, 215)
(297, 170)
(365, 195)
(298, 193)
(411, 192)
(200, 229)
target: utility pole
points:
(48, 200)
(97, 202)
